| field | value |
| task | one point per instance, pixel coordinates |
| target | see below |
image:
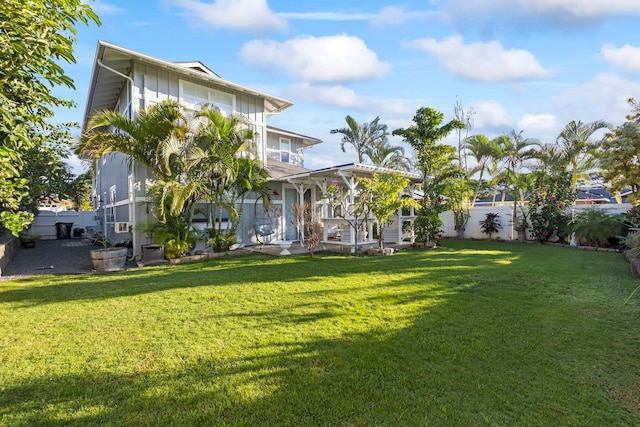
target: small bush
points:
(595, 226)
(491, 223)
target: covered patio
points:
(335, 191)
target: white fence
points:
(473, 229)
(44, 223)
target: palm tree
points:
(574, 143)
(384, 155)
(483, 152)
(514, 150)
(141, 138)
(361, 136)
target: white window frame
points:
(285, 142)
(214, 97)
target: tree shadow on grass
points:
(254, 269)
(440, 370)
(467, 357)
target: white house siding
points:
(273, 148)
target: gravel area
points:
(64, 256)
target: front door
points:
(290, 199)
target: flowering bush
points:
(548, 203)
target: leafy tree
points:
(35, 38)
(435, 162)
(382, 195)
(361, 136)
(618, 155)
(548, 203)
(79, 191)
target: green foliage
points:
(549, 202)
(219, 240)
(175, 234)
(632, 240)
(435, 162)
(594, 226)
(631, 218)
(174, 248)
(36, 37)
(363, 137)
(16, 222)
(25, 236)
(491, 223)
(382, 195)
(618, 154)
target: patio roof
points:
(354, 169)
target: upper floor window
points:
(192, 96)
(285, 150)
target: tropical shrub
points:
(548, 204)
(595, 226)
(219, 240)
(491, 223)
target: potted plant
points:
(28, 240)
(108, 258)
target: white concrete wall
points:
(477, 214)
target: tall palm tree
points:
(575, 146)
(361, 136)
(141, 138)
(483, 151)
(387, 156)
(514, 150)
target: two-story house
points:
(128, 82)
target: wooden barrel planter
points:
(110, 259)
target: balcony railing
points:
(292, 158)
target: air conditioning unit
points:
(121, 227)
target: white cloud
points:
(387, 16)
(396, 16)
(490, 114)
(248, 15)
(338, 96)
(603, 98)
(556, 10)
(625, 58)
(339, 58)
(482, 61)
(543, 127)
(327, 16)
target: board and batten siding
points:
(153, 85)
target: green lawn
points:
(472, 333)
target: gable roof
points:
(112, 70)
(198, 66)
(306, 140)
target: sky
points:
(522, 65)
